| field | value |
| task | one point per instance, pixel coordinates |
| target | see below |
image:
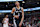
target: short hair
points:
(5, 15)
(16, 1)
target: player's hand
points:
(12, 24)
(17, 16)
(9, 24)
(20, 24)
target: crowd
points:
(32, 22)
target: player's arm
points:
(13, 12)
(22, 17)
(13, 9)
(8, 20)
(3, 20)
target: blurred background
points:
(9, 0)
(32, 18)
(8, 5)
(2, 16)
(31, 11)
(25, 4)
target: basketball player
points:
(18, 14)
(5, 21)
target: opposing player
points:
(5, 21)
(18, 14)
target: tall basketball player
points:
(5, 21)
(18, 14)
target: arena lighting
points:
(9, 0)
(23, 2)
(28, 9)
(37, 2)
(0, 13)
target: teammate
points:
(18, 14)
(5, 21)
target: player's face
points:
(6, 15)
(17, 3)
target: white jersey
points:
(6, 22)
(29, 25)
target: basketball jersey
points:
(6, 20)
(18, 11)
